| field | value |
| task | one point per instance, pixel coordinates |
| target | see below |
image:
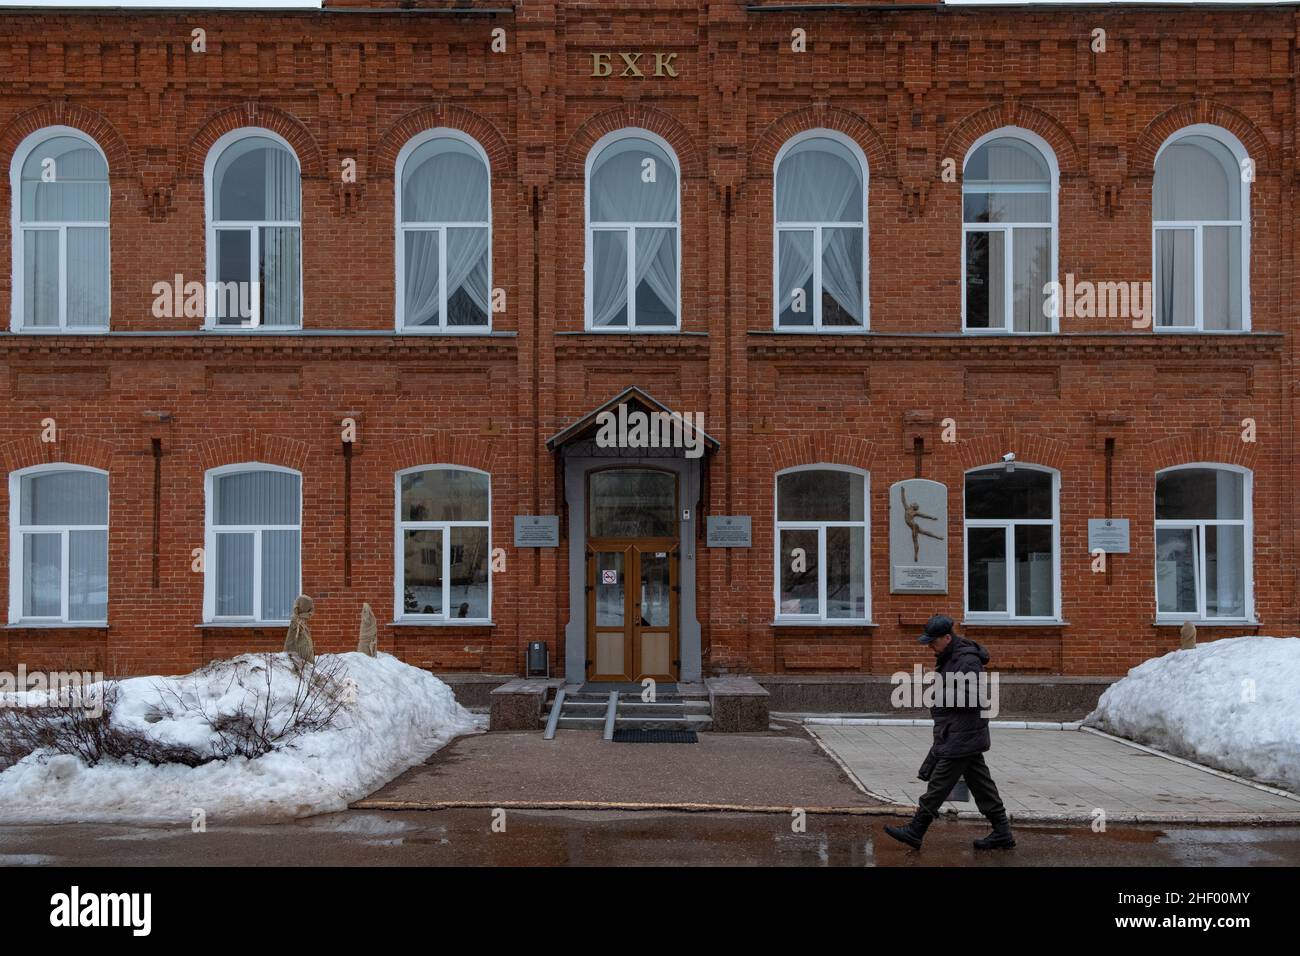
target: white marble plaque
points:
(918, 537)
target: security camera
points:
(1009, 456)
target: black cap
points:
(935, 628)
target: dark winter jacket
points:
(959, 731)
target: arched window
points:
(254, 197)
(254, 543)
(444, 544)
(444, 242)
(60, 233)
(1012, 548)
(58, 545)
(1203, 543)
(821, 223)
(633, 245)
(1009, 225)
(1201, 232)
(822, 545)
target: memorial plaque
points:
(918, 537)
(1108, 534)
(537, 531)
(730, 531)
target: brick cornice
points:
(250, 348)
(1133, 346)
(602, 346)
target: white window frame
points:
(1009, 525)
(253, 227)
(401, 227)
(629, 230)
(17, 228)
(779, 226)
(1008, 317)
(400, 527)
(820, 527)
(1198, 526)
(1197, 228)
(16, 531)
(211, 531)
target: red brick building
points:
(469, 227)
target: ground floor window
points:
(58, 557)
(1203, 540)
(253, 564)
(444, 544)
(821, 545)
(1011, 543)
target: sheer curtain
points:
(820, 182)
(618, 193)
(281, 266)
(444, 182)
(1197, 182)
(76, 194)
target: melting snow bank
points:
(1232, 704)
(393, 716)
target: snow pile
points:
(1232, 704)
(393, 717)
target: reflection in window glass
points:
(1202, 543)
(445, 544)
(1011, 518)
(822, 545)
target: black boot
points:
(1000, 838)
(914, 832)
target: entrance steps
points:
(580, 708)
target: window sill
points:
(805, 330)
(246, 625)
(1013, 622)
(640, 330)
(67, 330)
(56, 625)
(1213, 622)
(786, 622)
(455, 623)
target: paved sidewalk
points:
(1060, 775)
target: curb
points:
(836, 720)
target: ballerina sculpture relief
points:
(910, 514)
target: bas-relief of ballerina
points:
(910, 514)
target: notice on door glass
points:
(609, 577)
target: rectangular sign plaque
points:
(730, 531)
(537, 531)
(1108, 534)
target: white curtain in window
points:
(281, 245)
(251, 501)
(445, 181)
(1196, 179)
(619, 192)
(64, 181)
(820, 182)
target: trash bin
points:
(539, 660)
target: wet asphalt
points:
(478, 837)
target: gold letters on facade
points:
(633, 64)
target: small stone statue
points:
(368, 641)
(298, 641)
(1188, 633)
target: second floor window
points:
(1200, 233)
(61, 275)
(632, 234)
(1009, 235)
(820, 235)
(445, 234)
(254, 233)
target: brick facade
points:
(910, 87)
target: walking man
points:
(961, 736)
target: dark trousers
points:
(948, 771)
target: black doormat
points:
(655, 737)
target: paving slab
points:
(576, 768)
(1063, 775)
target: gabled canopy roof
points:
(588, 425)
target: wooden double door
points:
(632, 597)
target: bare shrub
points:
(83, 726)
(260, 722)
